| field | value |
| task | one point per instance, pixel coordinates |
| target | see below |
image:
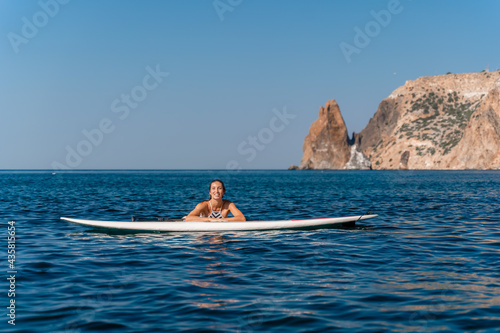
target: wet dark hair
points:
(213, 181)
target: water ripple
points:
(429, 262)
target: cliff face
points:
(480, 145)
(327, 146)
(440, 122)
(446, 122)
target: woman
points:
(215, 209)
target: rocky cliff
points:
(447, 122)
(439, 122)
(480, 145)
(327, 146)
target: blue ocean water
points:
(429, 262)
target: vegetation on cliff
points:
(430, 123)
(421, 123)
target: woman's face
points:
(216, 190)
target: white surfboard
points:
(220, 226)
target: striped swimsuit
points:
(215, 214)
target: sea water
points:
(429, 262)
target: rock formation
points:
(447, 122)
(439, 122)
(358, 160)
(327, 146)
(480, 145)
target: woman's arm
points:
(194, 216)
(237, 215)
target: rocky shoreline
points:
(444, 122)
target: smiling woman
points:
(215, 209)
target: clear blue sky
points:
(78, 77)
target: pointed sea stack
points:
(327, 146)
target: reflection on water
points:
(212, 241)
(215, 270)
